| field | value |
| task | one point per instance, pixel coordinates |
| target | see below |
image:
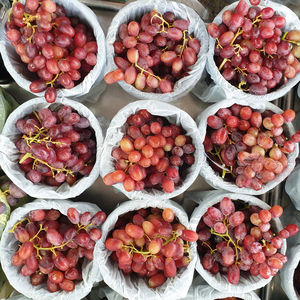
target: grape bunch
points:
(154, 52)
(297, 279)
(151, 243)
(12, 194)
(53, 246)
(152, 154)
(59, 50)
(249, 147)
(252, 52)
(56, 146)
(237, 239)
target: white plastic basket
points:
(135, 10)
(218, 281)
(9, 155)
(212, 177)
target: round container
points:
(219, 281)
(23, 77)
(9, 154)
(116, 131)
(134, 11)
(134, 287)
(213, 178)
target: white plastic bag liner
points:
(200, 290)
(212, 177)
(222, 85)
(134, 11)
(9, 154)
(176, 116)
(218, 281)
(9, 245)
(22, 76)
(287, 273)
(137, 288)
(292, 187)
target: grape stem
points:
(17, 224)
(52, 249)
(183, 46)
(240, 86)
(53, 169)
(85, 227)
(223, 63)
(54, 79)
(37, 140)
(257, 20)
(210, 248)
(219, 45)
(33, 31)
(37, 234)
(239, 32)
(5, 193)
(242, 71)
(159, 16)
(10, 11)
(37, 116)
(143, 70)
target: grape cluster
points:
(237, 238)
(154, 53)
(53, 246)
(56, 146)
(252, 52)
(151, 243)
(61, 51)
(247, 146)
(12, 194)
(152, 154)
(297, 279)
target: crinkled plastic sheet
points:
(134, 11)
(292, 187)
(287, 273)
(135, 288)
(116, 131)
(218, 281)
(221, 88)
(9, 245)
(200, 290)
(212, 177)
(9, 155)
(91, 83)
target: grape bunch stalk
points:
(252, 52)
(56, 146)
(154, 53)
(59, 50)
(247, 146)
(152, 154)
(151, 243)
(52, 246)
(236, 239)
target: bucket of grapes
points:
(241, 242)
(40, 37)
(147, 250)
(47, 249)
(151, 150)
(254, 50)
(290, 274)
(51, 150)
(250, 146)
(156, 49)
